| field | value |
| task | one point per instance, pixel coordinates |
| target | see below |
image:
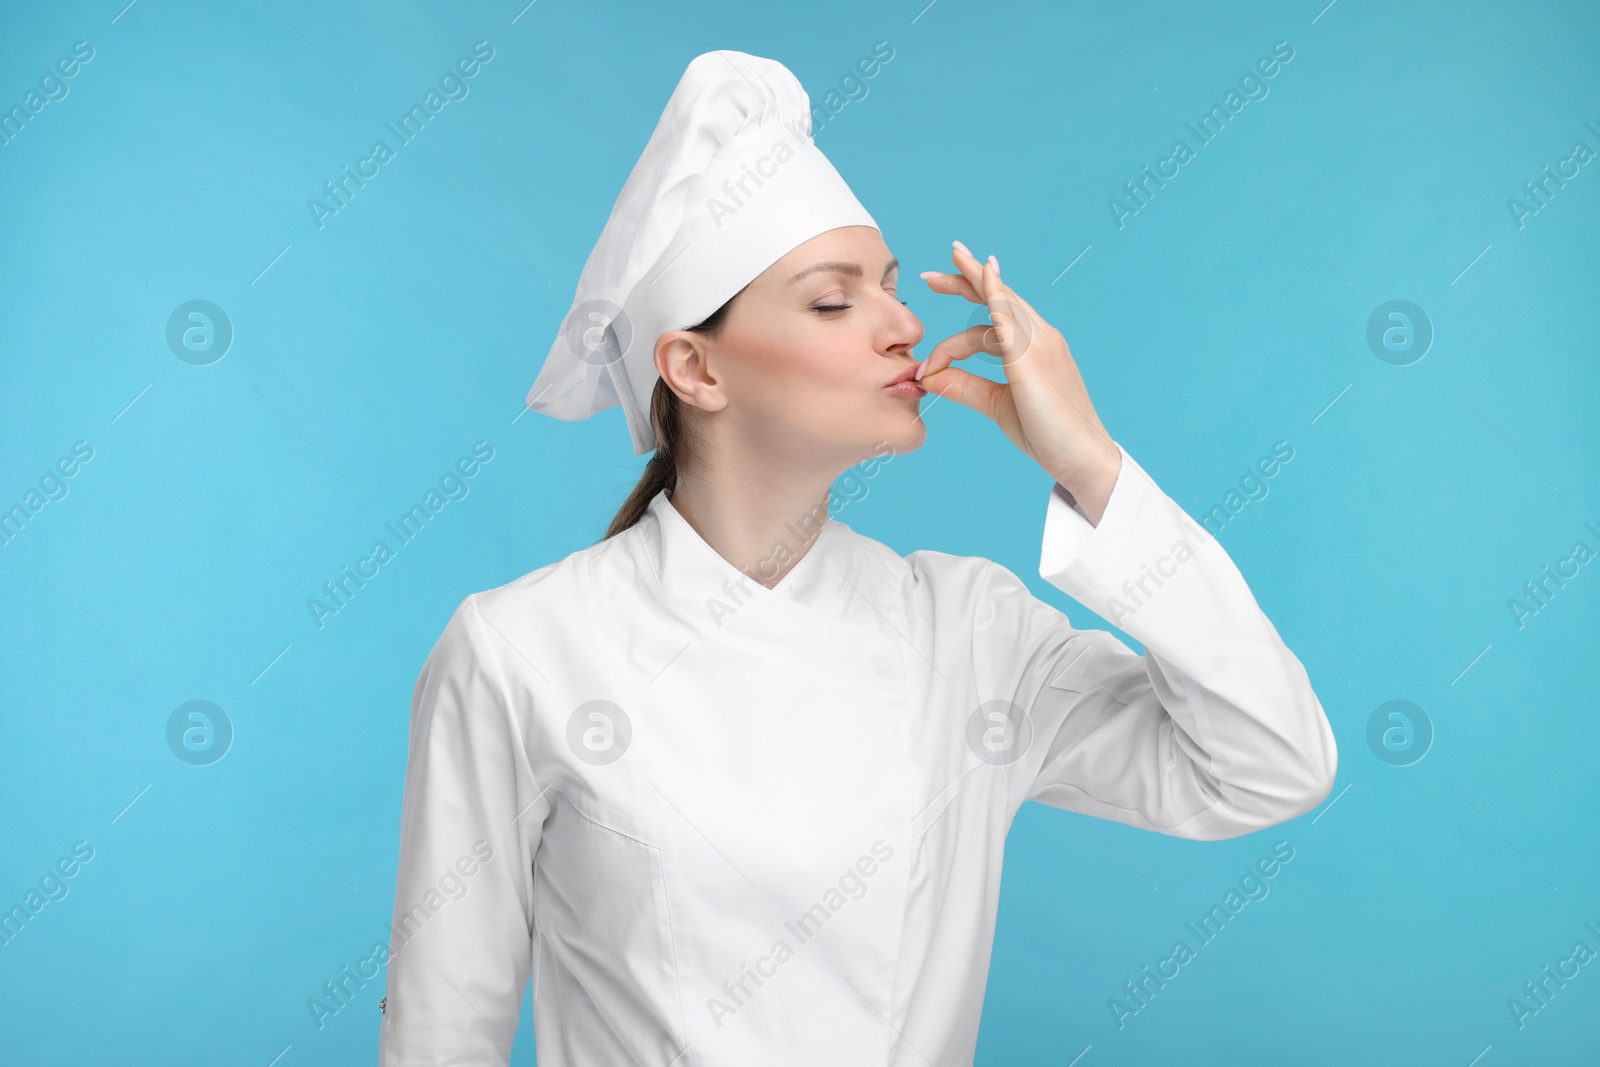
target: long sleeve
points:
(1212, 733)
(460, 950)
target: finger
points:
(994, 292)
(1019, 324)
(1001, 289)
(1016, 323)
(951, 285)
(968, 265)
(1020, 332)
(1010, 294)
(1013, 330)
(971, 390)
(972, 340)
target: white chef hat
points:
(728, 184)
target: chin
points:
(903, 435)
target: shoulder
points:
(549, 587)
(944, 579)
(545, 601)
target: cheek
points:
(816, 384)
(843, 390)
(816, 368)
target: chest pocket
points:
(1096, 660)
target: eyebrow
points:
(839, 266)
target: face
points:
(801, 366)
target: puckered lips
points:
(905, 383)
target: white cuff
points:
(1068, 533)
(1141, 530)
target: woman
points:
(733, 785)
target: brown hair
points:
(674, 432)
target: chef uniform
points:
(721, 824)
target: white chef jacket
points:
(732, 825)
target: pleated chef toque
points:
(729, 183)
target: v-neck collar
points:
(814, 615)
(699, 575)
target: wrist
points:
(1091, 484)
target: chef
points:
(732, 786)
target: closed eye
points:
(891, 290)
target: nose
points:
(903, 329)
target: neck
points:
(761, 514)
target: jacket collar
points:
(820, 613)
(713, 589)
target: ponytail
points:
(674, 431)
(666, 418)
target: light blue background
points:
(1227, 315)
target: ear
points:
(683, 361)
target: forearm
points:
(1226, 719)
(1091, 482)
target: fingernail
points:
(996, 263)
(962, 248)
(931, 274)
(920, 368)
